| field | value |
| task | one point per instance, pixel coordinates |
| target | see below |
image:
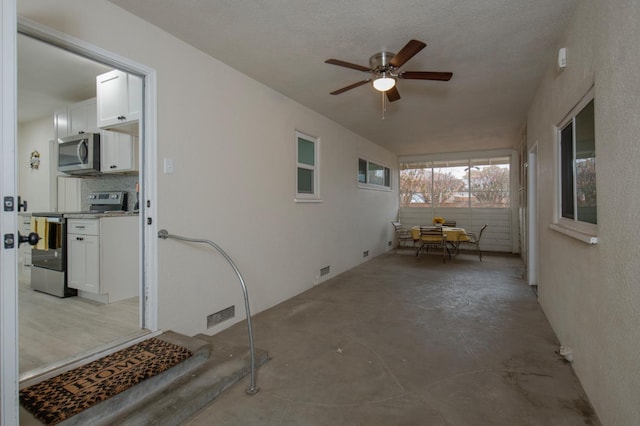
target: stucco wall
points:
(590, 293)
(232, 140)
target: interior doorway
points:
(69, 330)
(532, 216)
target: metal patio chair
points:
(432, 236)
(474, 240)
(402, 236)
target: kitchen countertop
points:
(85, 215)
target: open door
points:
(8, 218)
(9, 308)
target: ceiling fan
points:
(384, 67)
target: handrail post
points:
(164, 234)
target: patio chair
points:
(402, 235)
(431, 236)
(474, 240)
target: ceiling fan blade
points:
(340, 63)
(393, 94)
(351, 86)
(425, 75)
(407, 52)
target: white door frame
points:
(532, 215)
(8, 220)
(148, 196)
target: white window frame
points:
(315, 168)
(583, 231)
(367, 184)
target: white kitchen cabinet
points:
(69, 194)
(103, 259)
(77, 118)
(119, 101)
(83, 253)
(119, 152)
(83, 117)
(61, 123)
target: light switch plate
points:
(169, 166)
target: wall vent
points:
(325, 270)
(365, 253)
(389, 243)
(220, 316)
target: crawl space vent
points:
(220, 316)
(325, 270)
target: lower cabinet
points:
(83, 267)
(102, 260)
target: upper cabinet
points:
(119, 152)
(119, 101)
(75, 119)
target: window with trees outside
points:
(577, 148)
(373, 175)
(469, 183)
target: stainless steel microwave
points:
(79, 154)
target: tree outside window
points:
(478, 183)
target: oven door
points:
(48, 259)
(50, 254)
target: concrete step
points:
(175, 394)
(184, 396)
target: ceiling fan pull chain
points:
(384, 107)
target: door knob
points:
(32, 239)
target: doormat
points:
(58, 398)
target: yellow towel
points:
(40, 226)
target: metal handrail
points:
(164, 234)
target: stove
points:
(107, 201)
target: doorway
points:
(53, 84)
(68, 330)
(532, 216)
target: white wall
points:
(590, 293)
(232, 140)
(34, 184)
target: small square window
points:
(362, 170)
(307, 149)
(373, 175)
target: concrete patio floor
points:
(401, 341)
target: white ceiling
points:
(50, 78)
(496, 49)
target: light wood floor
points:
(53, 329)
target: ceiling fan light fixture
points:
(384, 83)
